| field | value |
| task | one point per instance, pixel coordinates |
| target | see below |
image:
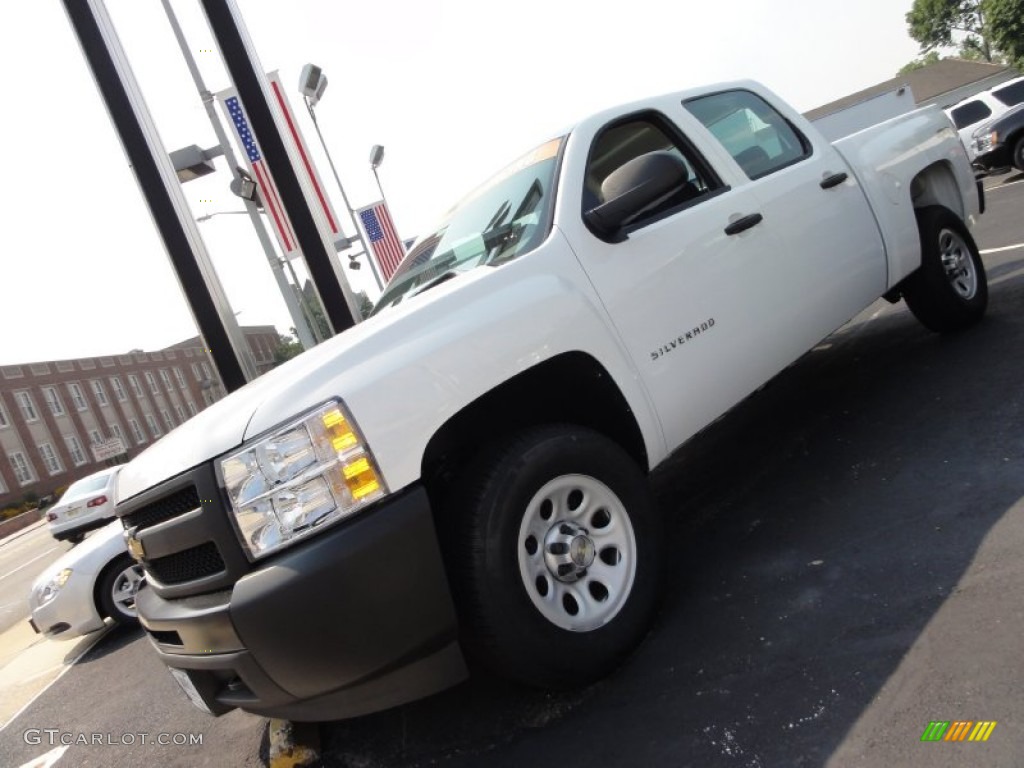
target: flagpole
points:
(344, 197)
(309, 335)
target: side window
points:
(969, 113)
(759, 139)
(637, 135)
(1011, 95)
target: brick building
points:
(54, 415)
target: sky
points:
(453, 89)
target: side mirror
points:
(633, 188)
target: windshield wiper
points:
(436, 281)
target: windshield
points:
(505, 217)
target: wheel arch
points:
(936, 185)
(571, 387)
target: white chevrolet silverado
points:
(463, 475)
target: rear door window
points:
(1011, 95)
(759, 139)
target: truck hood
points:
(300, 384)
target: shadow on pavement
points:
(816, 530)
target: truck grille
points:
(190, 545)
(187, 565)
(177, 503)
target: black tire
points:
(123, 576)
(949, 292)
(75, 538)
(498, 500)
(1018, 154)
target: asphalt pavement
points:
(845, 570)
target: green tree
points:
(948, 23)
(286, 348)
(1005, 19)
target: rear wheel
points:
(117, 588)
(557, 556)
(1018, 154)
(949, 291)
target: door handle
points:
(743, 224)
(834, 180)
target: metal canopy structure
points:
(160, 185)
(243, 65)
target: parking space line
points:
(1004, 186)
(23, 565)
(1000, 250)
(98, 635)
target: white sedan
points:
(86, 505)
(95, 581)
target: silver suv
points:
(975, 110)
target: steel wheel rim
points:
(124, 589)
(958, 264)
(577, 553)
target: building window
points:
(207, 397)
(133, 382)
(140, 436)
(95, 437)
(196, 372)
(180, 377)
(77, 397)
(151, 380)
(191, 408)
(206, 371)
(165, 377)
(115, 430)
(154, 428)
(3, 488)
(28, 408)
(75, 449)
(99, 391)
(22, 469)
(181, 413)
(167, 418)
(50, 459)
(53, 401)
(119, 392)
(3, 417)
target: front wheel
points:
(1018, 154)
(949, 291)
(558, 556)
(117, 589)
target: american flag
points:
(385, 243)
(268, 191)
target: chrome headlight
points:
(49, 590)
(986, 141)
(303, 476)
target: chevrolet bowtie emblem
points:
(135, 548)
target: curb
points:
(293, 745)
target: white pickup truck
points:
(463, 475)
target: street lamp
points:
(312, 84)
(195, 162)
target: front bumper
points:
(71, 613)
(995, 159)
(356, 619)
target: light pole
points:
(312, 84)
(308, 334)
